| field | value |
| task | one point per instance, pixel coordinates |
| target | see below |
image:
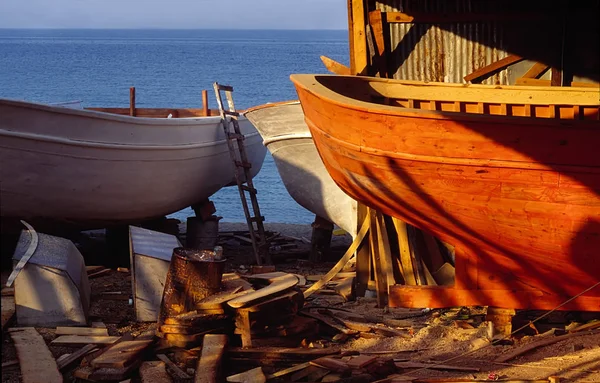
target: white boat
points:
(288, 139)
(99, 166)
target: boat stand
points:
(243, 178)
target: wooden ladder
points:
(242, 167)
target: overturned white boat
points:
(99, 166)
(288, 139)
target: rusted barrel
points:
(193, 275)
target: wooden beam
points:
(357, 37)
(208, 369)
(408, 271)
(495, 66)
(377, 27)
(381, 286)
(205, 109)
(451, 18)
(536, 70)
(385, 253)
(540, 82)
(35, 359)
(335, 67)
(362, 257)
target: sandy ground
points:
(434, 336)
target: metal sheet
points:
(426, 52)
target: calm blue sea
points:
(170, 68)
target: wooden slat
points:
(205, 109)
(132, 101)
(381, 286)
(35, 359)
(377, 28)
(82, 340)
(385, 253)
(209, 364)
(495, 66)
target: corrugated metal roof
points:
(426, 52)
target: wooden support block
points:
(255, 375)
(154, 372)
(76, 340)
(501, 318)
(91, 331)
(122, 354)
(209, 364)
(35, 359)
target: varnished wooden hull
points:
(518, 197)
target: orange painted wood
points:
(519, 197)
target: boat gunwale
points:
(270, 105)
(133, 120)
(309, 83)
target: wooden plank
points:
(536, 70)
(75, 356)
(122, 354)
(82, 340)
(91, 331)
(278, 285)
(154, 372)
(357, 37)
(279, 353)
(540, 343)
(540, 82)
(434, 366)
(178, 372)
(255, 375)
(385, 253)
(208, 369)
(35, 359)
(335, 67)
(288, 371)
(493, 67)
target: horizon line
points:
(170, 29)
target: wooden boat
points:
(509, 175)
(100, 166)
(288, 139)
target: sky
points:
(174, 14)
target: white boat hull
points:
(93, 168)
(307, 181)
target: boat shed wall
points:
(445, 40)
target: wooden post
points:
(132, 101)
(321, 239)
(189, 280)
(363, 259)
(357, 36)
(205, 109)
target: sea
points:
(170, 68)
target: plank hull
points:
(93, 169)
(518, 197)
(307, 181)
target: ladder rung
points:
(226, 88)
(247, 165)
(236, 136)
(249, 189)
(257, 219)
(231, 113)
